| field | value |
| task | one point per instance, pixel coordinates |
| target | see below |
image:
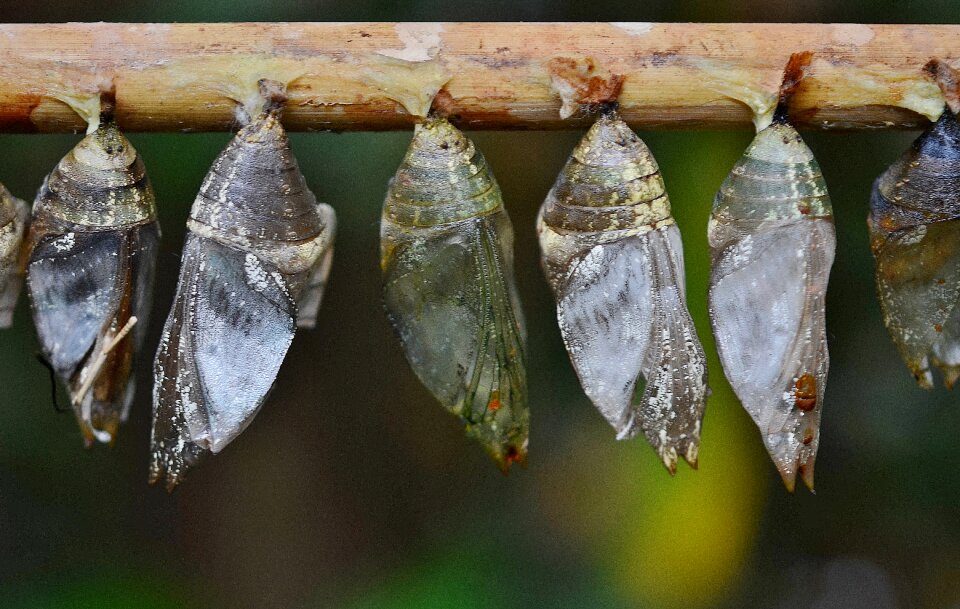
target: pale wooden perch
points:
(376, 76)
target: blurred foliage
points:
(105, 591)
(354, 489)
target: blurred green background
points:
(354, 489)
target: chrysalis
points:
(447, 260)
(915, 236)
(772, 242)
(613, 256)
(93, 246)
(254, 265)
(14, 216)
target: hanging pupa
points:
(612, 254)
(772, 243)
(447, 259)
(255, 261)
(915, 237)
(93, 245)
(14, 217)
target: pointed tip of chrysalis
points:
(171, 465)
(692, 454)
(669, 457)
(505, 456)
(610, 142)
(671, 451)
(950, 375)
(789, 478)
(939, 141)
(436, 136)
(265, 127)
(159, 470)
(105, 149)
(802, 466)
(922, 375)
(170, 480)
(779, 143)
(806, 473)
(504, 449)
(103, 429)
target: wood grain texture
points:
(364, 76)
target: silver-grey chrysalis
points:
(613, 256)
(772, 243)
(254, 266)
(14, 217)
(447, 258)
(92, 253)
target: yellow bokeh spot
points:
(688, 539)
(667, 542)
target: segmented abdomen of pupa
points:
(14, 217)
(915, 236)
(447, 260)
(772, 242)
(613, 256)
(255, 260)
(93, 244)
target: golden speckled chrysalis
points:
(613, 256)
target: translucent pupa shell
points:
(772, 242)
(613, 256)
(447, 259)
(14, 217)
(915, 236)
(93, 247)
(254, 265)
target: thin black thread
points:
(53, 382)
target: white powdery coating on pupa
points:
(256, 274)
(64, 243)
(623, 317)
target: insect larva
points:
(613, 256)
(915, 236)
(14, 217)
(93, 245)
(772, 241)
(254, 264)
(447, 260)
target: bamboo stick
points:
(379, 76)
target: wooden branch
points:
(489, 75)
